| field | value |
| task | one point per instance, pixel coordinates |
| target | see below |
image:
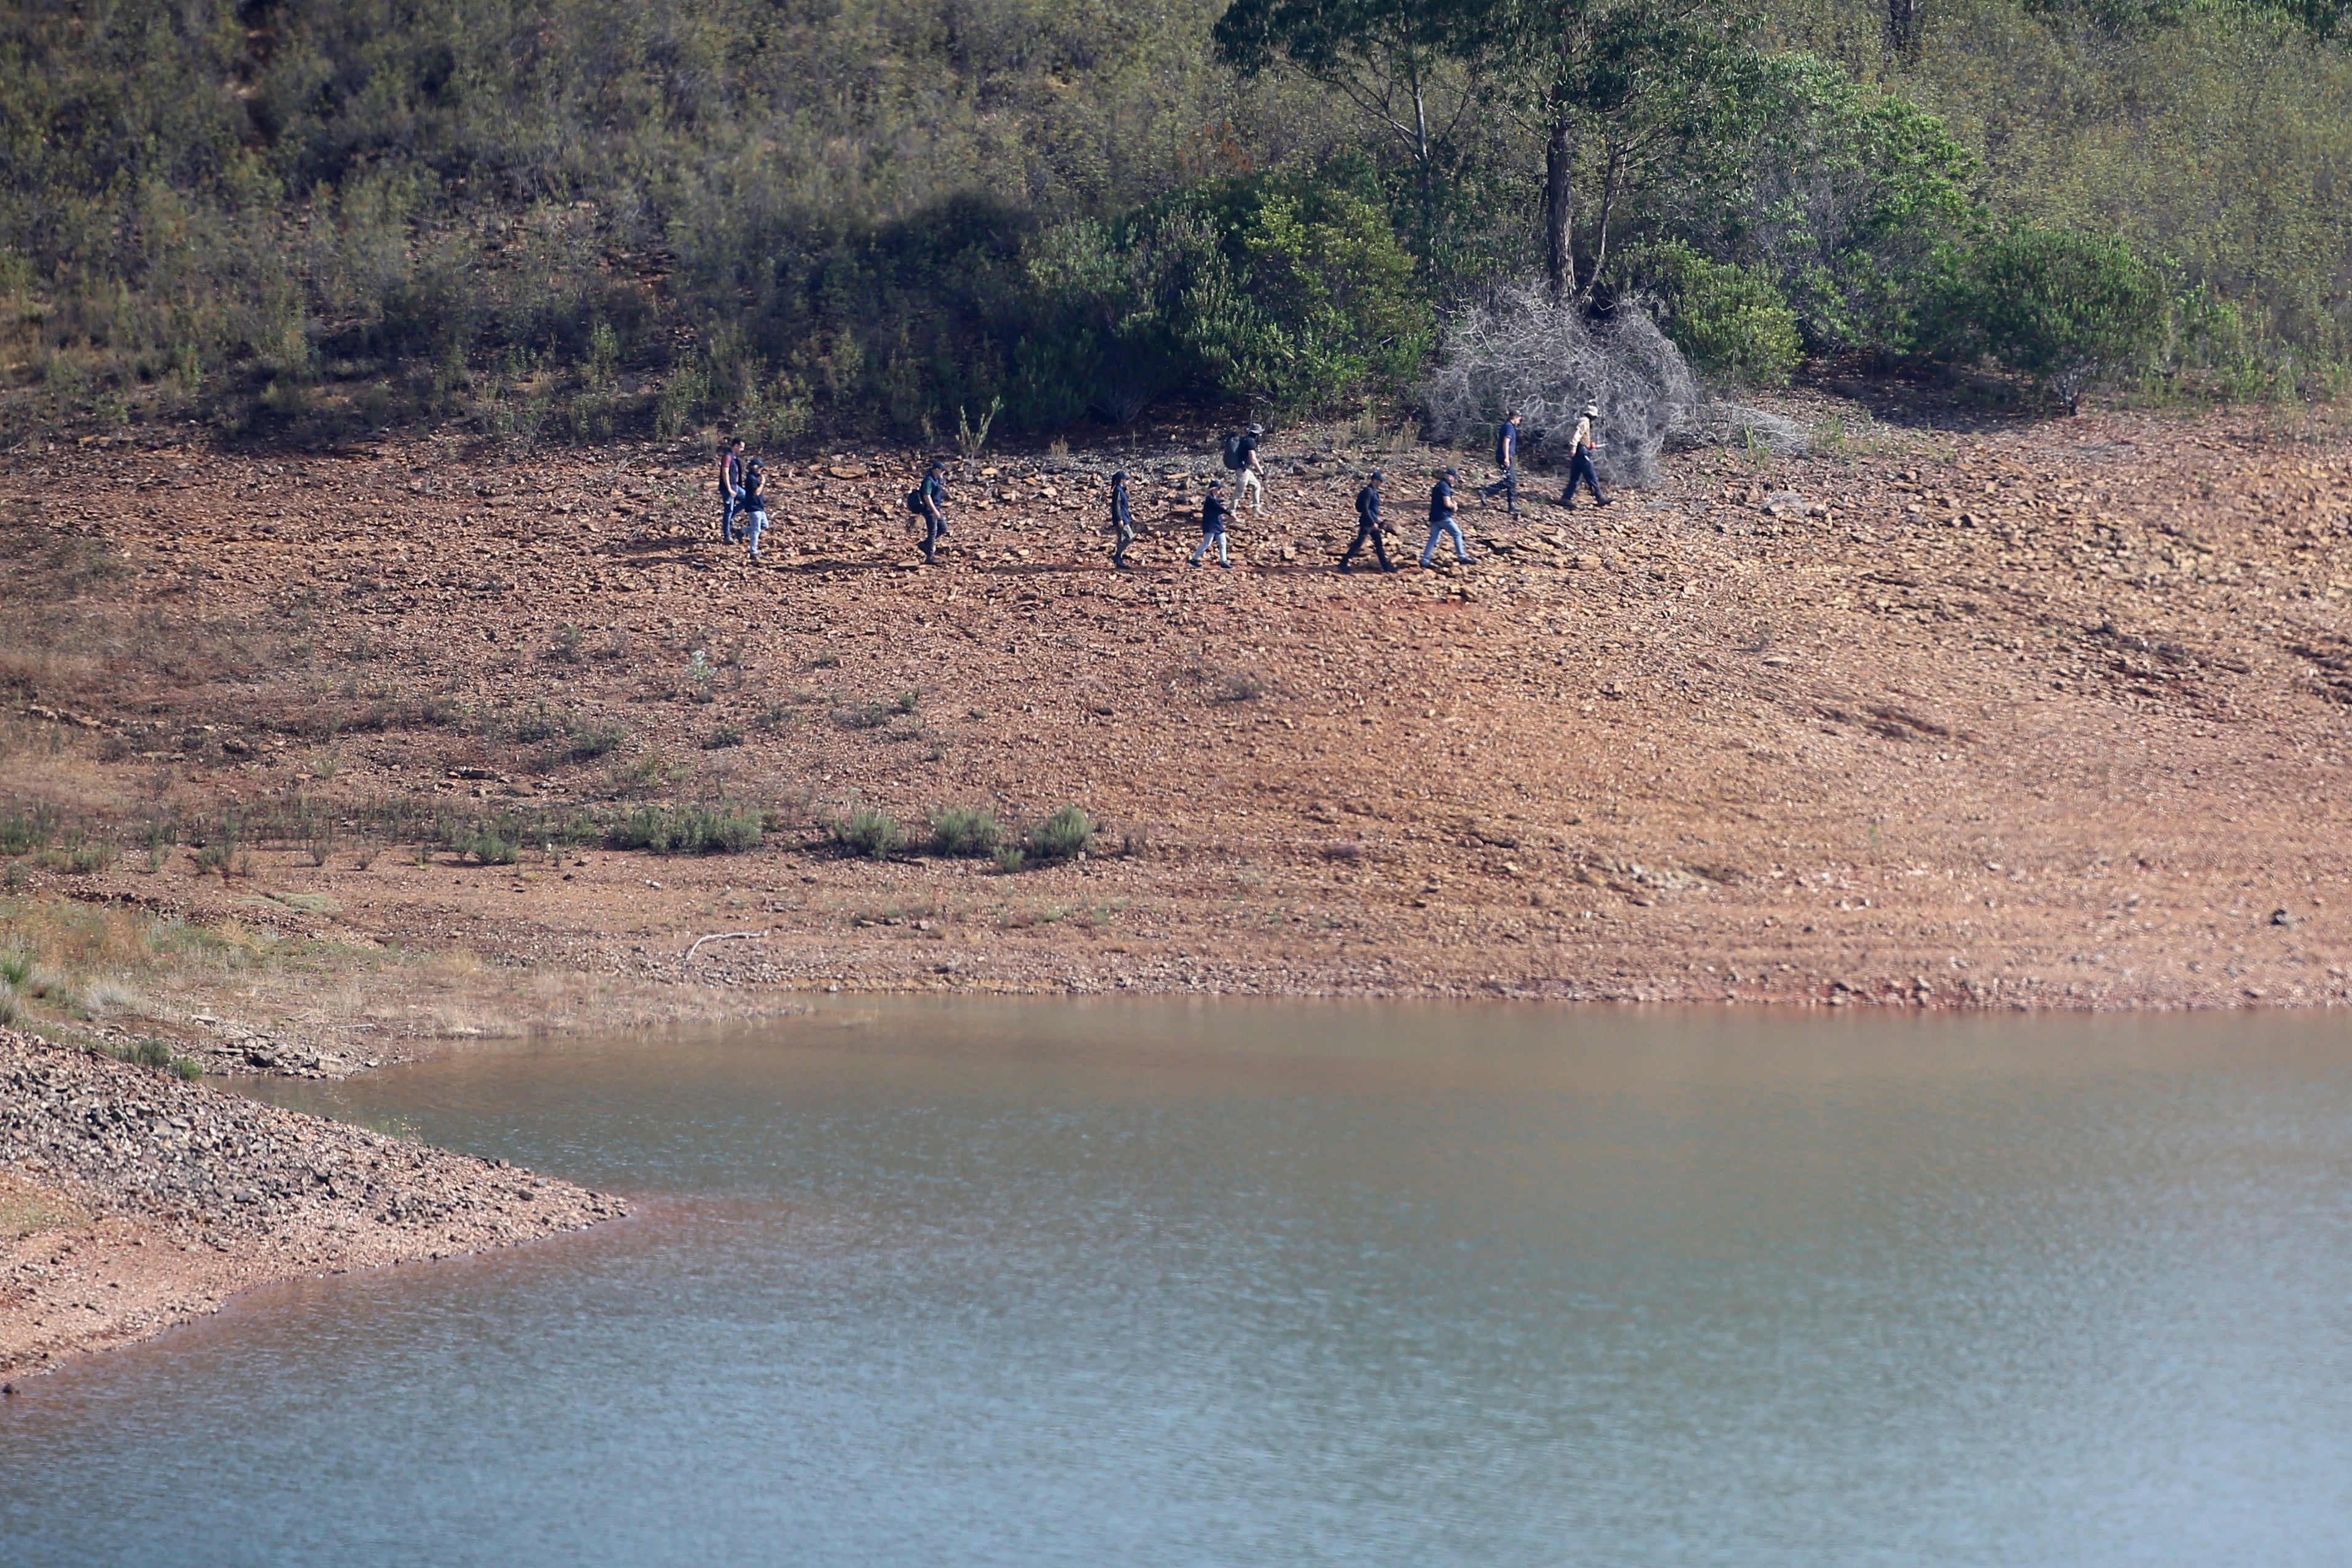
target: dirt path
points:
(2052, 717)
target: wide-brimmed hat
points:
(1257, 429)
(1592, 411)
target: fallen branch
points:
(722, 937)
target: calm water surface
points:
(1159, 1284)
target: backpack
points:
(915, 501)
(1233, 458)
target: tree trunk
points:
(1559, 260)
(1902, 27)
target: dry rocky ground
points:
(130, 1201)
(2041, 715)
(2048, 715)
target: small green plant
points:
(965, 831)
(188, 1068)
(1239, 687)
(14, 879)
(862, 831)
(698, 675)
(88, 858)
(565, 648)
(725, 736)
(160, 842)
(15, 968)
(488, 847)
(701, 829)
(970, 442)
(863, 716)
(1010, 858)
(825, 661)
(22, 832)
(1062, 836)
(905, 702)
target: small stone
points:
(2281, 917)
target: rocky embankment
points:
(130, 1201)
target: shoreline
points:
(132, 1201)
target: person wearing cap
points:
(934, 493)
(1122, 520)
(730, 487)
(754, 504)
(1253, 476)
(1442, 520)
(1367, 525)
(1507, 458)
(1214, 513)
(1581, 448)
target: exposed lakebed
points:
(1273, 1283)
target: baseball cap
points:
(1592, 411)
(1119, 477)
(1379, 474)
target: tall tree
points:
(1646, 80)
(1410, 67)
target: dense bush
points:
(573, 217)
(971, 830)
(2066, 308)
(1729, 321)
(691, 830)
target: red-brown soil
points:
(2050, 716)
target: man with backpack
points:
(1214, 513)
(1442, 520)
(929, 501)
(1123, 520)
(754, 504)
(730, 487)
(1367, 527)
(1507, 458)
(1581, 448)
(1241, 457)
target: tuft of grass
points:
(24, 832)
(1010, 858)
(905, 702)
(825, 661)
(1063, 836)
(862, 716)
(488, 847)
(865, 831)
(698, 830)
(1241, 686)
(725, 736)
(965, 831)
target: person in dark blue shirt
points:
(1367, 525)
(1443, 520)
(1507, 458)
(754, 504)
(934, 493)
(1122, 520)
(1214, 515)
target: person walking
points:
(1507, 458)
(1367, 525)
(1443, 520)
(1581, 448)
(1240, 457)
(933, 495)
(1213, 515)
(730, 488)
(1123, 520)
(754, 504)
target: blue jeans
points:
(727, 516)
(1439, 526)
(755, 523)
(1219, 537)
(1579, 472)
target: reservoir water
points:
(1064, 1283)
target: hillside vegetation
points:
(580, 217)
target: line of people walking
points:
(743, 512)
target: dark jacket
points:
(1214, 513)
(1120, 515)
(1367, 506)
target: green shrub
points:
(2068, 308)
(488, 847)
(22, 832)
(15, 966)
(1010, 858)
(188, 1068)
(965, 831)
(698, 829)
(1730, 322)
(1062, 836)
(862, 831)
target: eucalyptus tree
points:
(1411, 68)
